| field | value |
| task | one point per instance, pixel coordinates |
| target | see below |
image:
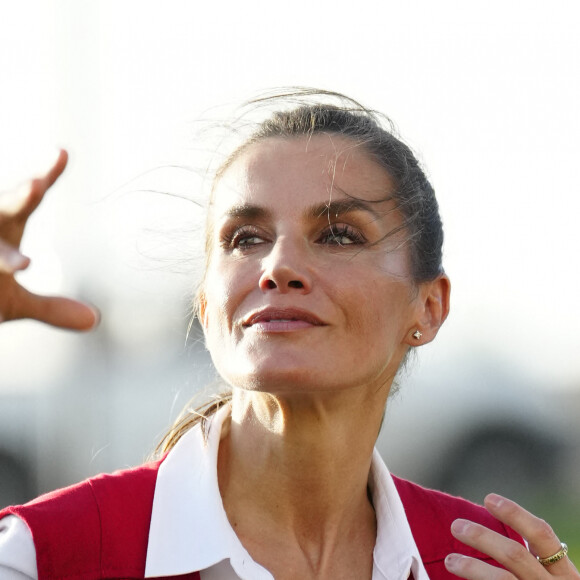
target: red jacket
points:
(99, 528)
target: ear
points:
(432, 310)
(202, 309)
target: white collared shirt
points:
(187, 505)
(190, 530)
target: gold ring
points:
(561, 553)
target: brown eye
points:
(341, 235)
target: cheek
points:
(377, 307)
(225, 289)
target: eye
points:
(341, 235)
(243, 238)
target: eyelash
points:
(336, 231)
(237, 239)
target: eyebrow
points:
(340, 207)
(246, 211)
(333, 208)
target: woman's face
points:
(301, 294)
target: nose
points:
(286, 269)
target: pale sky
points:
(487, 93)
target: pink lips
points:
(281, 320)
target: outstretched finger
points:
(57, 311)
(39, 186)
(541, 538)
(24, 200)
(474, 569)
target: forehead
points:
(300, 171)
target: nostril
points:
(271, 283)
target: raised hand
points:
(520, 563)
(15, 301)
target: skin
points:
(281, 486)
(291, 257)
(519, 563)
(302, 395)
(15, 301)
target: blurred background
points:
(486, 93)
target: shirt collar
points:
(190, 530)
(396, 553)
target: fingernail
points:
(17, 261)
(494, 500)
(452, 562)
(460, 526)
(97, 314)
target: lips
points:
(282, 315)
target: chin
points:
(273, 382)
(294, 381)
(296, 374)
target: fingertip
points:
(13, 262)
(459, 526)
(18, 261)
(53, 157)
(89, 321)
(452, 562)
(494, 500)
(62, 155)
(56, 168)
(97, 316)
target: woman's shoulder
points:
(430, 514)
(441, 505)
(107, 489)
(79, 526)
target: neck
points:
(298, 466)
